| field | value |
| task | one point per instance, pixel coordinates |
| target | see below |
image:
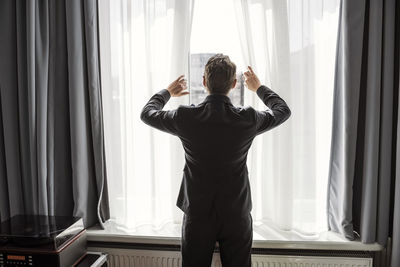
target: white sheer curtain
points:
(292, 46)
(144, 46)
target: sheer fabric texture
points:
(290, 44)
(144, 46)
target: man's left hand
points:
(177, 87)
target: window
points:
(147, 44)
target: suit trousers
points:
(234, 234)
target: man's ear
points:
(234, 84)
(205, 84)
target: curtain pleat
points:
(9, 106)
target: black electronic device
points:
(38, 240)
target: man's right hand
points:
(178, 87)
(252, 81)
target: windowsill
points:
(264, 236)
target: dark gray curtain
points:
(364, 184)
(51, 133)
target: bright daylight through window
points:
(291, 46)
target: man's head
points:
(219, 75)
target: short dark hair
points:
(220, 73)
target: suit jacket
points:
(216, 137)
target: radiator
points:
(152, 258)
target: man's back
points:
(216, 137)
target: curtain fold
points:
(52, 157)
(145, 46)
(363, 191)
(291, 45)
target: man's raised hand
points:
(177, 87)
(252, 81)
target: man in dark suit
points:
(216, 136)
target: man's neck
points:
(217, 94)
